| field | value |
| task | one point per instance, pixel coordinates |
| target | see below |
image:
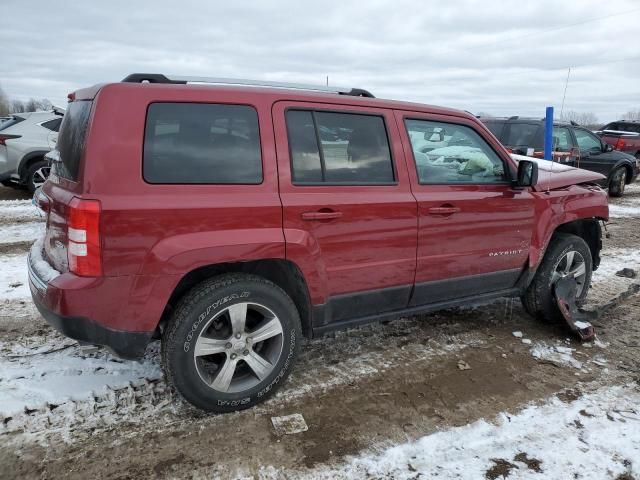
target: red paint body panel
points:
(385, 236)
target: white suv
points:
(24, 140)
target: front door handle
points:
(321, 215)
(443, 210)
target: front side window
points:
(338, 148)
(190, 143)
(450, 153)
(587, 141)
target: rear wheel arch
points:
(283, 273)
(28, 160)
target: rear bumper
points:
(55, 303)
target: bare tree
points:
(585, 119)
(18, 106)
(631, 115)
(4, 104)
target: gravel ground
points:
(68, 411)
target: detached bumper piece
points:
(579, 320)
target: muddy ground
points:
(358, 390)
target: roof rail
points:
(159, 78)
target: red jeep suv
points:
(232, 220)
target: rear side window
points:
(520, 134)
(11, 122)
(338, 148)
(71, 140)
(53, 125)
(189, 143)
(495, 126)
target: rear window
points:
(520, 134)
(11, 122)
(53, 125)
(71, 140)
(189, 143)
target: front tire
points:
(618, 183)
(566, 254)
(231, 341)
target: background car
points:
(24, 140)
(572, 145)
(623, 135)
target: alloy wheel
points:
(239, 347)
(571, 264)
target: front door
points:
(592, 155)
(349, 215)
(474, 227)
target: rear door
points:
(349, 214)
(474, 227)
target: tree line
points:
(8, 106)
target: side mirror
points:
(607, 148)
(527, 173)
(434, 135)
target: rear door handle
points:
(321, 215)
(445, 210)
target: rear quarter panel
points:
(151, 229)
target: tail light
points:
(620, 144)
(84, 249)
(5, 136)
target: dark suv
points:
(231, 221)
(572, 145)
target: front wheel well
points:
(590, 231)
(282, 272)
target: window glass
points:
(520, 134)
(587, 141)
(450, 153)
(71, 141)
(561, 139)
(339, 148)
(53, 125)
(202, 143)
(305, 154)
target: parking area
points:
(68, 410)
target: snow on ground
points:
(595, 437)
(14, 279)
(19, 211)
(60, 371)
(21, 232)
(624, 211)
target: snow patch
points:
(623, 211)
(596, 436)
(14, 278)
(558, 355)
(42, 268)
(21, 232)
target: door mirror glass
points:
(527, 173)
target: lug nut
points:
(246, 352)
(233, 356)
(238, 335)
(228, 345)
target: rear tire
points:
(618, 182)
(566, 253)
(231, 342)
(36, 175)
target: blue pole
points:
(548, 134)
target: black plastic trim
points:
(128, 345)
(151, 78)
(452, 288)
(378, 317)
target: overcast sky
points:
(499, 57)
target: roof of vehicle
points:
(516, 119)
(279, 92)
